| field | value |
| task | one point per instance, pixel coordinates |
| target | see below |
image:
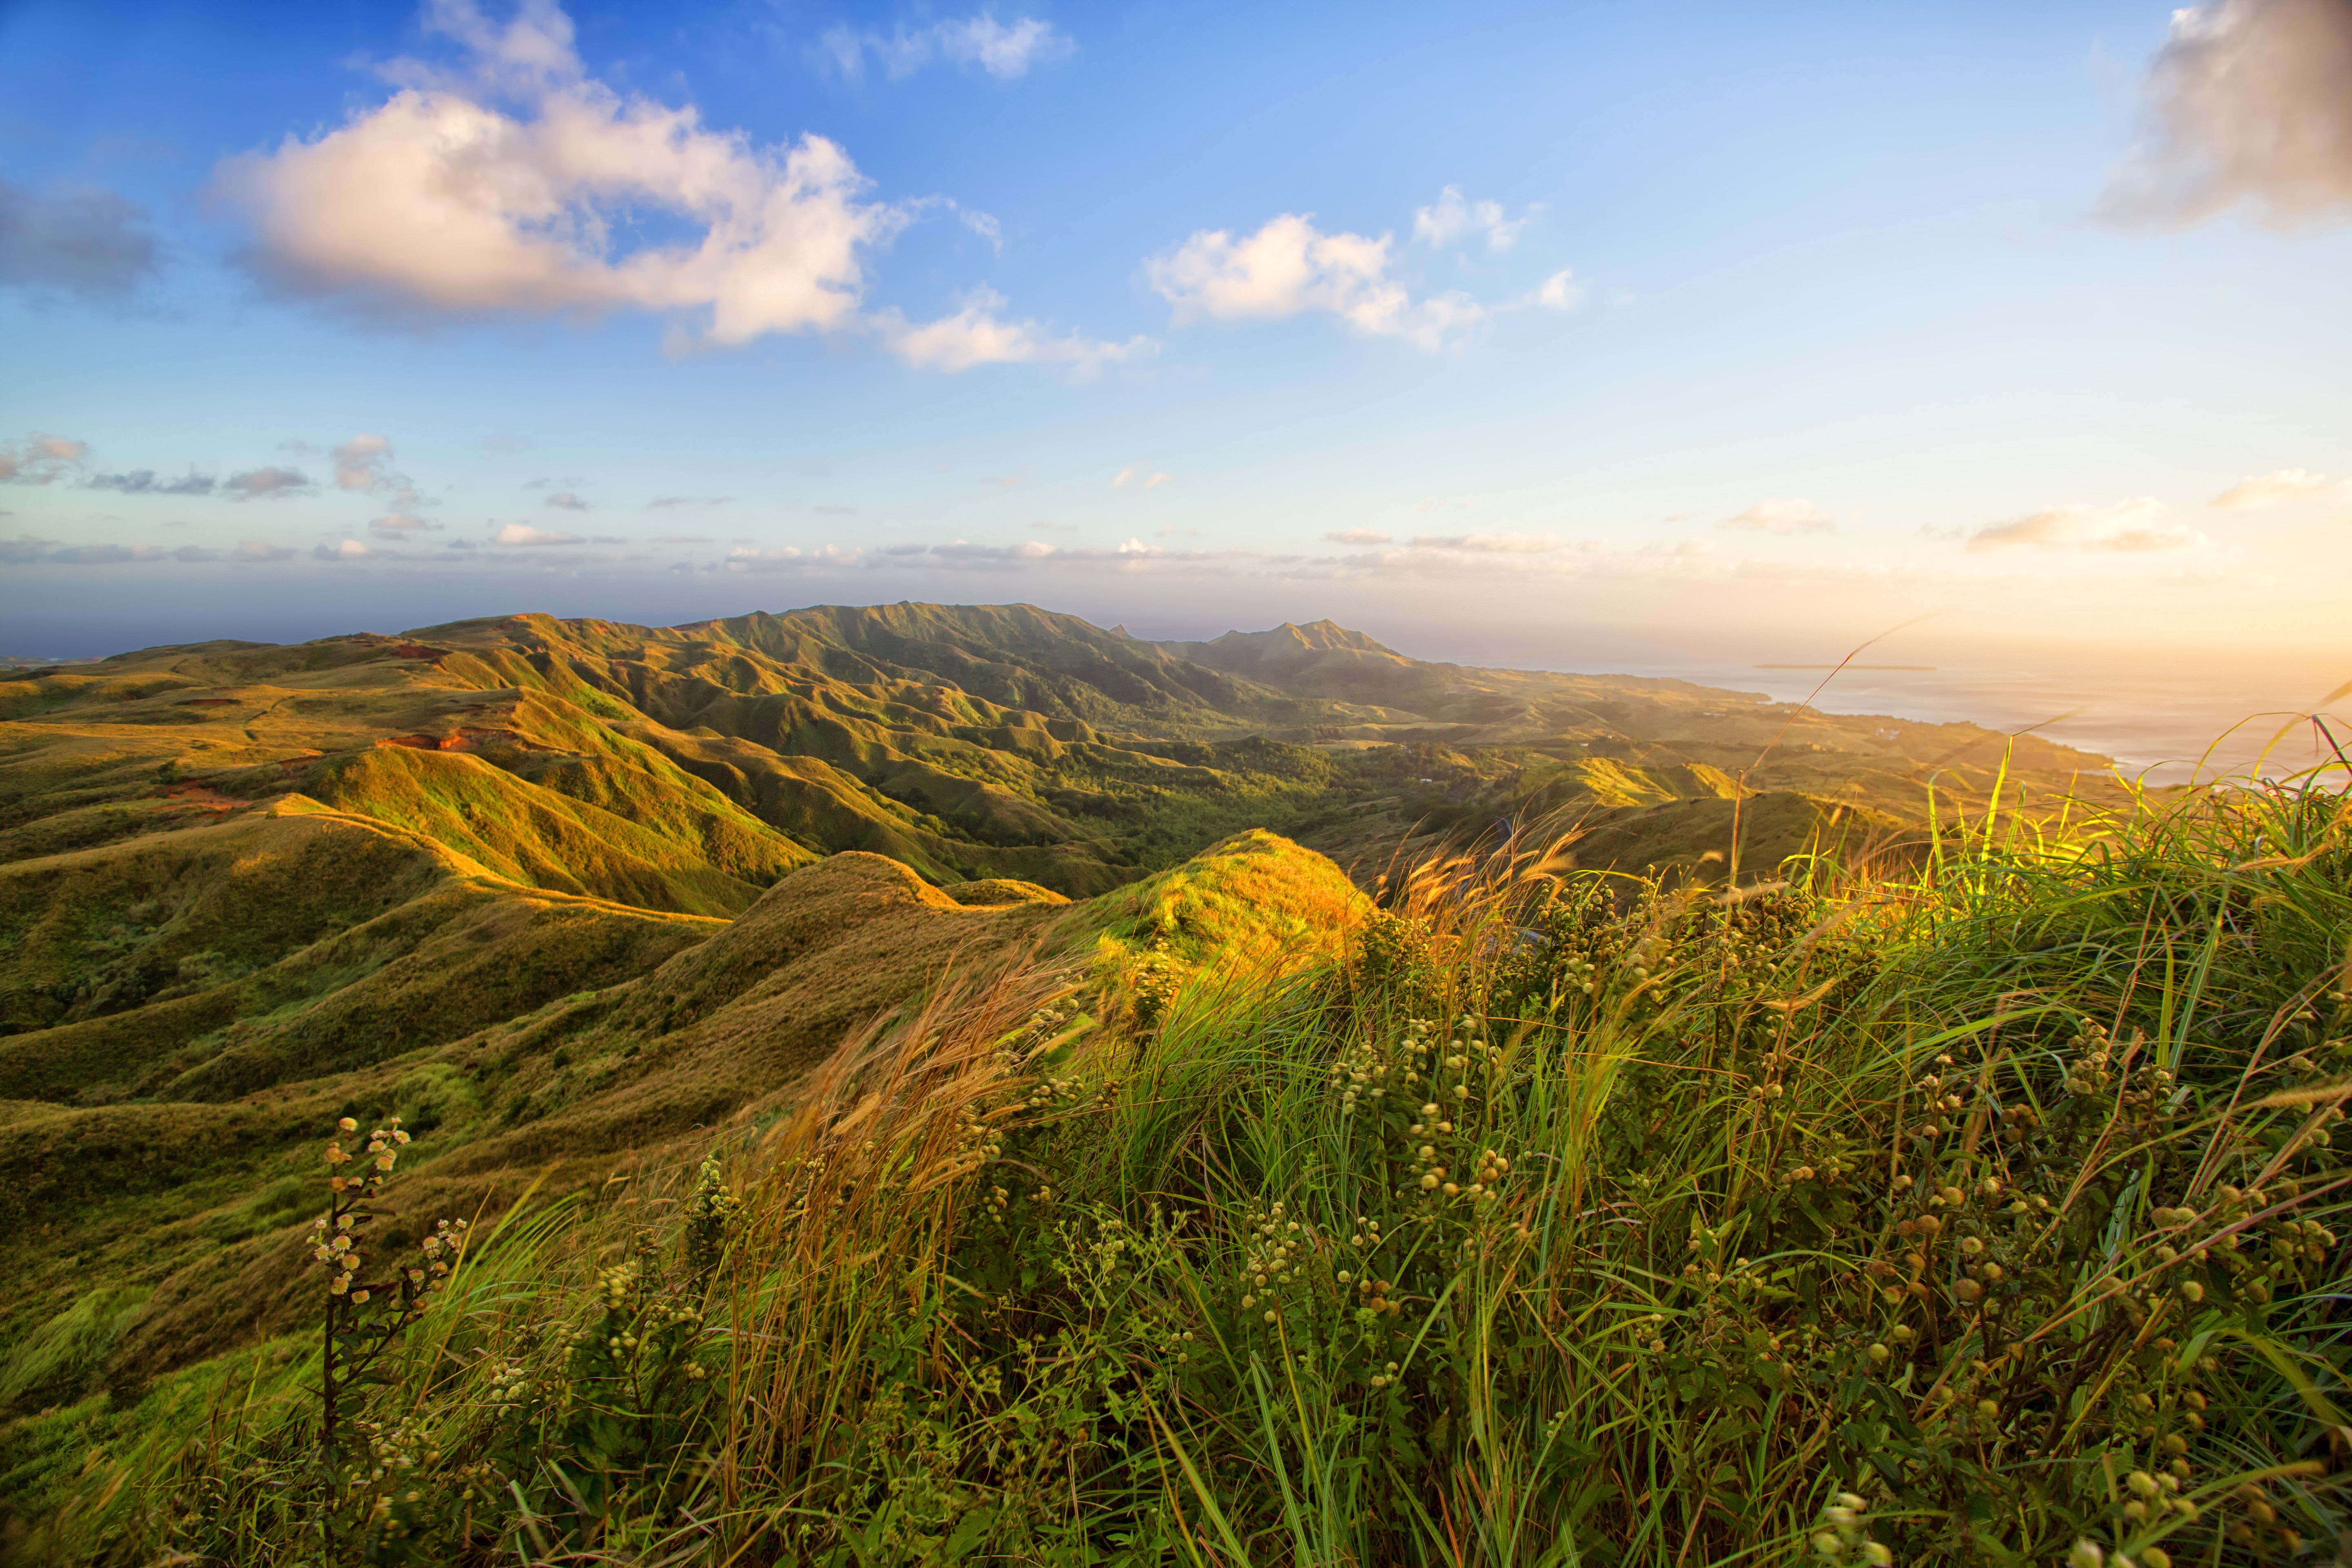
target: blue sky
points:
(1526, 333)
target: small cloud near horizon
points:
(2128, 526)
(1359, 536)
(40, 459)
(2281, 487)
(1793, 514)
(1490, 544)
(523, 535)
(272, 483)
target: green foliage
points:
(1959, 1220)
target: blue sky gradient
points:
(1785, 326)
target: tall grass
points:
(1961, 1217)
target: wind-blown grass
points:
(1564, 1219)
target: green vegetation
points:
(1964, 1213)
(912, 1103)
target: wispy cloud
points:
(977, 335)
(2248, 100)
(401, 523)
(1490, 544)
(1359, 536)
(565, 500)
(2129, 525)
(1133, 477)
(1451, 218)
(272, 483)
(1005, 50)
(41, 459)
(523, 535)
(143, 482)
(2283, 487)
(90, 243)
(1793, 514)
(260, 550)
(660, 502)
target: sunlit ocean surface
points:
(2167, 727)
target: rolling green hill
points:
(556, 890)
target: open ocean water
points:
(2166, 727)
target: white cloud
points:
(521, 534)
(976, 335)
(1005, 50)
(1289, 267)
(1156, 481)
(1124, 477)
(38, 460)
(1561, 292)
(2129, 525)
(1792, 515)
(1490, 543)
(2282, 488)
(349, 550)
(436, 200)
(2248, 100)
(1453, 218)
(1359, 536)
(359, 462)
(1134, 475)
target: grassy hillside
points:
(1989, 1212)
(1017, 927)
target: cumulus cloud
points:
(1451, 218)
(1290, 267)
(1005, 50)
(143, 482)
(349, 550)
(2282, 488)
(566, 500)
(2129, 526)
(1490, 543)
(520, 533)
(1561, 292)
(437, 200)
(1792, 515)
(266, 482)
(977, 335)
(90, 243)
(41, 459)
(2248, 100)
